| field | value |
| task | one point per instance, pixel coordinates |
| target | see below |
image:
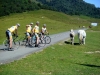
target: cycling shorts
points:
(28, 34)
(8, 34)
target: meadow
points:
(56, 21)
(61, 58)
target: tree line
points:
(71, 7)
(17, 6)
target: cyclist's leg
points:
(10, 39)
(42, 35)
(30, 35)
(37, 39)
(28, 38)
(7, 36)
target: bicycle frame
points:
(15, 43)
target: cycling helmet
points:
(18, 24)
(37, 22)
(31, 23)
(44, 25)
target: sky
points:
(95, 2)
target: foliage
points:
(16, 6)
(73, 7)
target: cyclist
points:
(28, 31)
(35, 31)
(44, 30)
(10, 31)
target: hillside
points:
(56, 22)
(71, 7)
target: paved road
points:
(9, 56)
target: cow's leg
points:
(84, 41)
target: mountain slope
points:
(73, 7)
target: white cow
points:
(72, 35)
(82, 36)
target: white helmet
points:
(37, 22)
(18, 24)
(44, 25)
(31, 23)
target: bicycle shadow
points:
(67, 42)
(3, 49)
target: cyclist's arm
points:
(33, 30)
(42, 30)
(16, 32)
(46, 31)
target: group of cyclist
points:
(29, 32)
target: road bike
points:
(42, 41)
(46, 37)
(24, 41)
(15, 43)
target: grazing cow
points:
(82, 36)
(72, 34)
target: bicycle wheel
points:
(22, 41)
(16, 44)
(6, 44)
(42, 43)
(33, 41)
(47, 39)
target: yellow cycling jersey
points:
(12, 29)
(28, 29)
(36, 29)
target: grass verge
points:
(60, 59)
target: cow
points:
(72, 35)
(82, 37)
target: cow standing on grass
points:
(72, 34)
(82, 37)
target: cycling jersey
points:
(43, 30)
(12, 29)
(29, 28)
(36, 29)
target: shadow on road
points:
(3, 49)
(6, 49)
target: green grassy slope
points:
(60, 59)
(56, 21)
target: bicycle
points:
(41, 43)
(47, 38)
(15, 43)
(24, 41)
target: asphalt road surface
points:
(9, 56)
